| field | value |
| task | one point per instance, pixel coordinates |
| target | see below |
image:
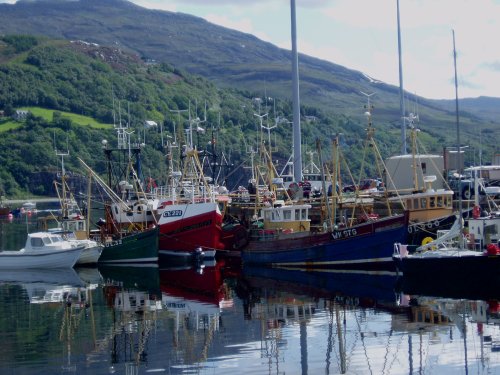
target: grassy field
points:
(48, 114)
(8, 125)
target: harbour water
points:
(225, 319)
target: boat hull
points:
(366, 246)
(187, 228)
(141, 247)
(59, 258)
(90, 255)
(417, 232)
(470, 277)
(445, 268)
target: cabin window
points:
(304, 214)
(139, 209)
(46, 240)
(267, 215)
(415, 204)
(424, 168)
(116, 210)
(297, 214)
(287, 215)
(432, 202)
(277, 215)
(440, 201)
(409, 204)
(81, 226)
(423, 202)
(449, 204)
(36, 242)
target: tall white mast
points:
(401, 89)
(297, 154)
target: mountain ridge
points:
(234, 59)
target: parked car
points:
(488, 180)
(367, 185)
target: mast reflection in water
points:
(220, 319)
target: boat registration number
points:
(172, 213)
(344, 234)
(113, 243)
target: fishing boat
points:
(281, 234)
(456, 256)
(352, 235)
(362, 246)
(136, 243)
(430, 208)
(91, 249)
(191, 211)
(412, 178)
(72, 223)
(42, 250)
(126, 236)
(190, 219)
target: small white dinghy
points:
(92, 249)
(42, 250)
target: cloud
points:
(493, 65)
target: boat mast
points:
(458, 133)
(401, 90)
(63, 198)
(297, 154)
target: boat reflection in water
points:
(328, 283)
(195, 298)
(45, 302)
(132, 294)
(332, 301)
(218, 319)
(468, 333)
(487, 288)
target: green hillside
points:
(74, 92)
(229, 58)
(73, 89)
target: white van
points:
(488, 176)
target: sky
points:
(362, 35)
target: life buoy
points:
(426, 240)
(476, 212)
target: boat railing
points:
(263, 234)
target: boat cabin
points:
(289, 218)
(43, 241)
(429, 205)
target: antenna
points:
(61, 154)
(261, 117)
(401, 89)
(368, 105)
(178, 111)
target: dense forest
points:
(110, 86)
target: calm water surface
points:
(223, 319)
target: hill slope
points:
(223, 55)
(234, 59)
